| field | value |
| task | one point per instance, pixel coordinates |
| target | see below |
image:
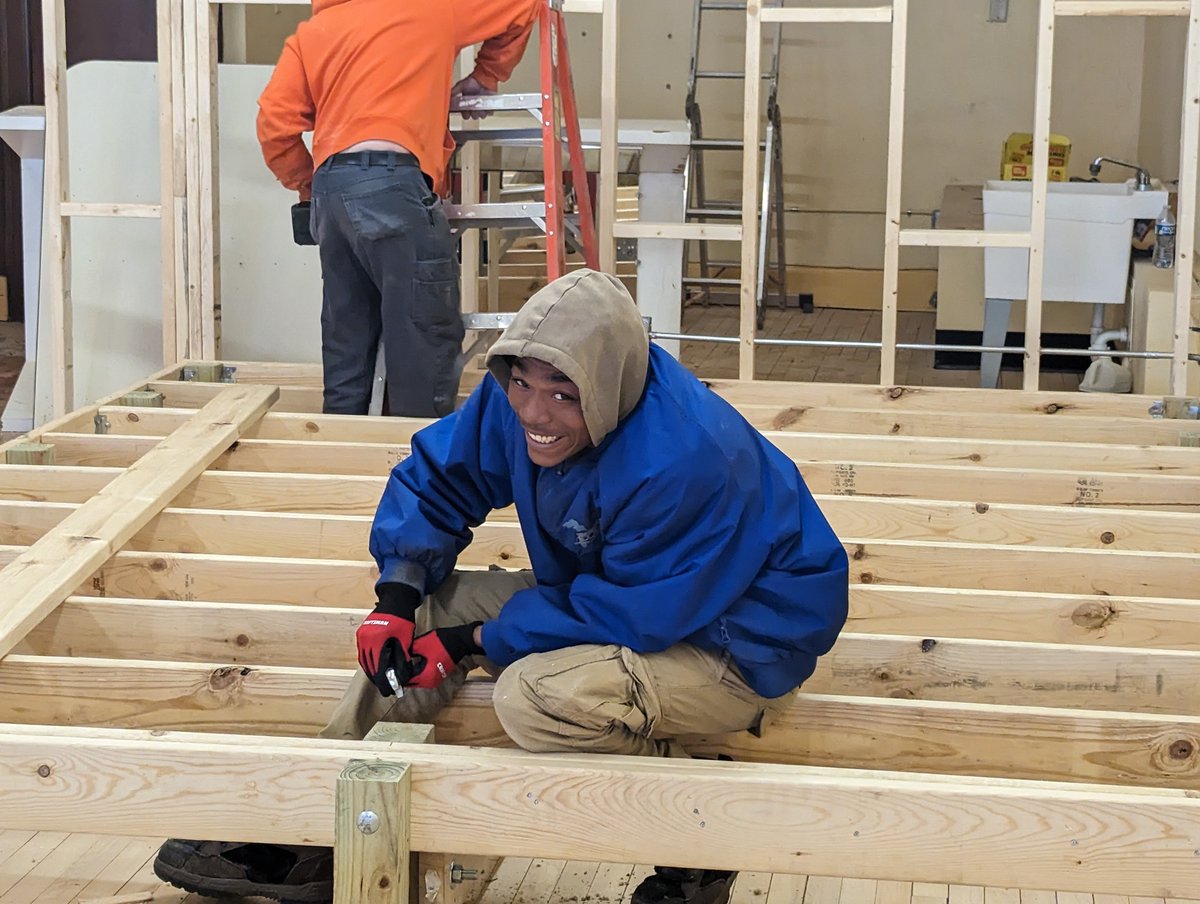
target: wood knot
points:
(1051, 408)
(1107, 537)
(242, 640)
(505, 555)
(158, 565)
(866, 578)
(44, 770)
(981, 508)
(787, 417)
(1181, 749)
(227, 677)
(1093, 616)
(896, 428)
(928, 644)
(860, 552)
(974, 456)
(132, 418)
(310, 427)
(895, 392)
(883, 675)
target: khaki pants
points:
(584, 699)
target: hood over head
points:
(588, 326)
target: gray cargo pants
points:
(390, 270)
(592, 698)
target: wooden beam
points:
(1185, 235)
(808, 446)
(891, 221)
(60, 690)
(193, 394)
(103, 209)
(607, 186)
(56, 238)
(43, 576)
(1023, 616)
(1122, 7)
(828, 15)
(345, 536)
(903, 562)
(751, 130)
(264, 634)
(1043, 91)
(858, 732)
(772, 818)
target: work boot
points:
(291, 874)
(670, 885)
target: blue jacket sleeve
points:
(457, 473)
(675, 558)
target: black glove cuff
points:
(397, 599)
(459, 640)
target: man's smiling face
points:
(547, 405)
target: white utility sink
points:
(1088, 230)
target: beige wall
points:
(970, 83)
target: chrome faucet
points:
(1143, 177)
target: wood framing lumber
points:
(858, 731)
(1036, 617)
(925, 736)
(189, 394)
(906, 562)
(266, 634)
(48, 571)
(841, 477)
(1122, 7)
(372, 805)
(808, 446)
(774, 818)
(929, 398)
(331, 536)
(62, 689)
(29, 454)
(898, 81)
(1031, 428)
(819, 395)
(1189, 163)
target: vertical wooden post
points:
(192, 218)
(748, 322)
(56, 229)
(209, 209)
(607, 188)
(175, 204)
(166, 176)
(371, 836)
(1185, 234)
(469, 168)
(1044, 83)
(891, 226)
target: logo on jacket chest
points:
(585, 535)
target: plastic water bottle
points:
(1164, 238)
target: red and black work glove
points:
(385, 637)
(436, 653)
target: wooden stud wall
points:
(1015, 687)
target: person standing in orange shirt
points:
(371, 79)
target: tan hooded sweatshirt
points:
(588, 326)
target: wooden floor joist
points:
(1023, 649)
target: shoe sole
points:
(313, 893)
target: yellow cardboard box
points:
(1016, 158)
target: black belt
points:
(375, 158)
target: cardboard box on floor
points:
(1016, 157)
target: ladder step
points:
(482, 216)
(721, 144)
(710, 281)
(719, 4)
(719, 73)
(497, 102)
(724, 213)
(534, 136)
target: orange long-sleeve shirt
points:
(382, 69)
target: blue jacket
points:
(683, 525)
